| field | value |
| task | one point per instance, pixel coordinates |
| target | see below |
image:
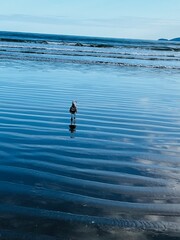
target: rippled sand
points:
(114, 175)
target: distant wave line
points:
(94, 54)
(87, 62)
(91, 44)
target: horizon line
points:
(74, 35)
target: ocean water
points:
(114, 173)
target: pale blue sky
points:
(143, 19)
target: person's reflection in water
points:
(72, 128)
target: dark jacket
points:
(73, 109)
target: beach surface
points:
(115, 173)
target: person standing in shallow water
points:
(73, 111)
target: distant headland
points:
(173, 39)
